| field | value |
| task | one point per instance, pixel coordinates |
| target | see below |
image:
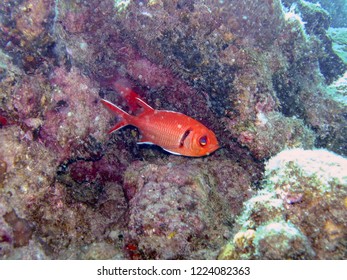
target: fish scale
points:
(167, 129)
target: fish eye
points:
(203, 140)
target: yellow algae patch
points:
(171, 235)
(333, 231)
(228, 252)
(244, 238)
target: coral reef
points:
(64, 129)
(300, 213)
(337, 10)
(339, 42)
(245, 74)
(40, 213)
(317, 22)
(180, 210)
(263, 77)
(290, 133)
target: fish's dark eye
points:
(203, 140)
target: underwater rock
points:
(28, 98)
(300, 213)
(272, 133)
(31, 16)
(338, 91)
(209, 61)
(30, 169)
(182, 209)
(240, 68)
(3, 169)
(249, 70)
(101, 251)
(25, 33)
(338, 37)
(39, 214)
(33, 251)
(20, 94)
(70, 227)
(73, 115)
(21, 229)
(317, 22)
(337, 9)
(191, 38)
(309, 98)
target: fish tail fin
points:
(125, 117)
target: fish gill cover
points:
(267, 77)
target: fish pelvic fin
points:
(124, 116)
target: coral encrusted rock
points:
(182, 210)
(300, 213)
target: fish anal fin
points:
(172, 152)
(145, 140)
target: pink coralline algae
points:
(252, 71)
(64, 129)
(180, 210)
(39, 208)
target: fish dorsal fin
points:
(124, 89)
(146, 108)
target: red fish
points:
(3, 121)
(172, 131)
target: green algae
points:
(121, 5)
(339, 42)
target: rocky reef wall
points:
(252, 71)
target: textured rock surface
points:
(337, 10)
(182, 210)
(43, 218)
(251, 71)
(300, 213)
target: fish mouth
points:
(214, 148)
(217, 147)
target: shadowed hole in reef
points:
(86, 192)
(288, 95)
(81, 182)
(186, 60)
